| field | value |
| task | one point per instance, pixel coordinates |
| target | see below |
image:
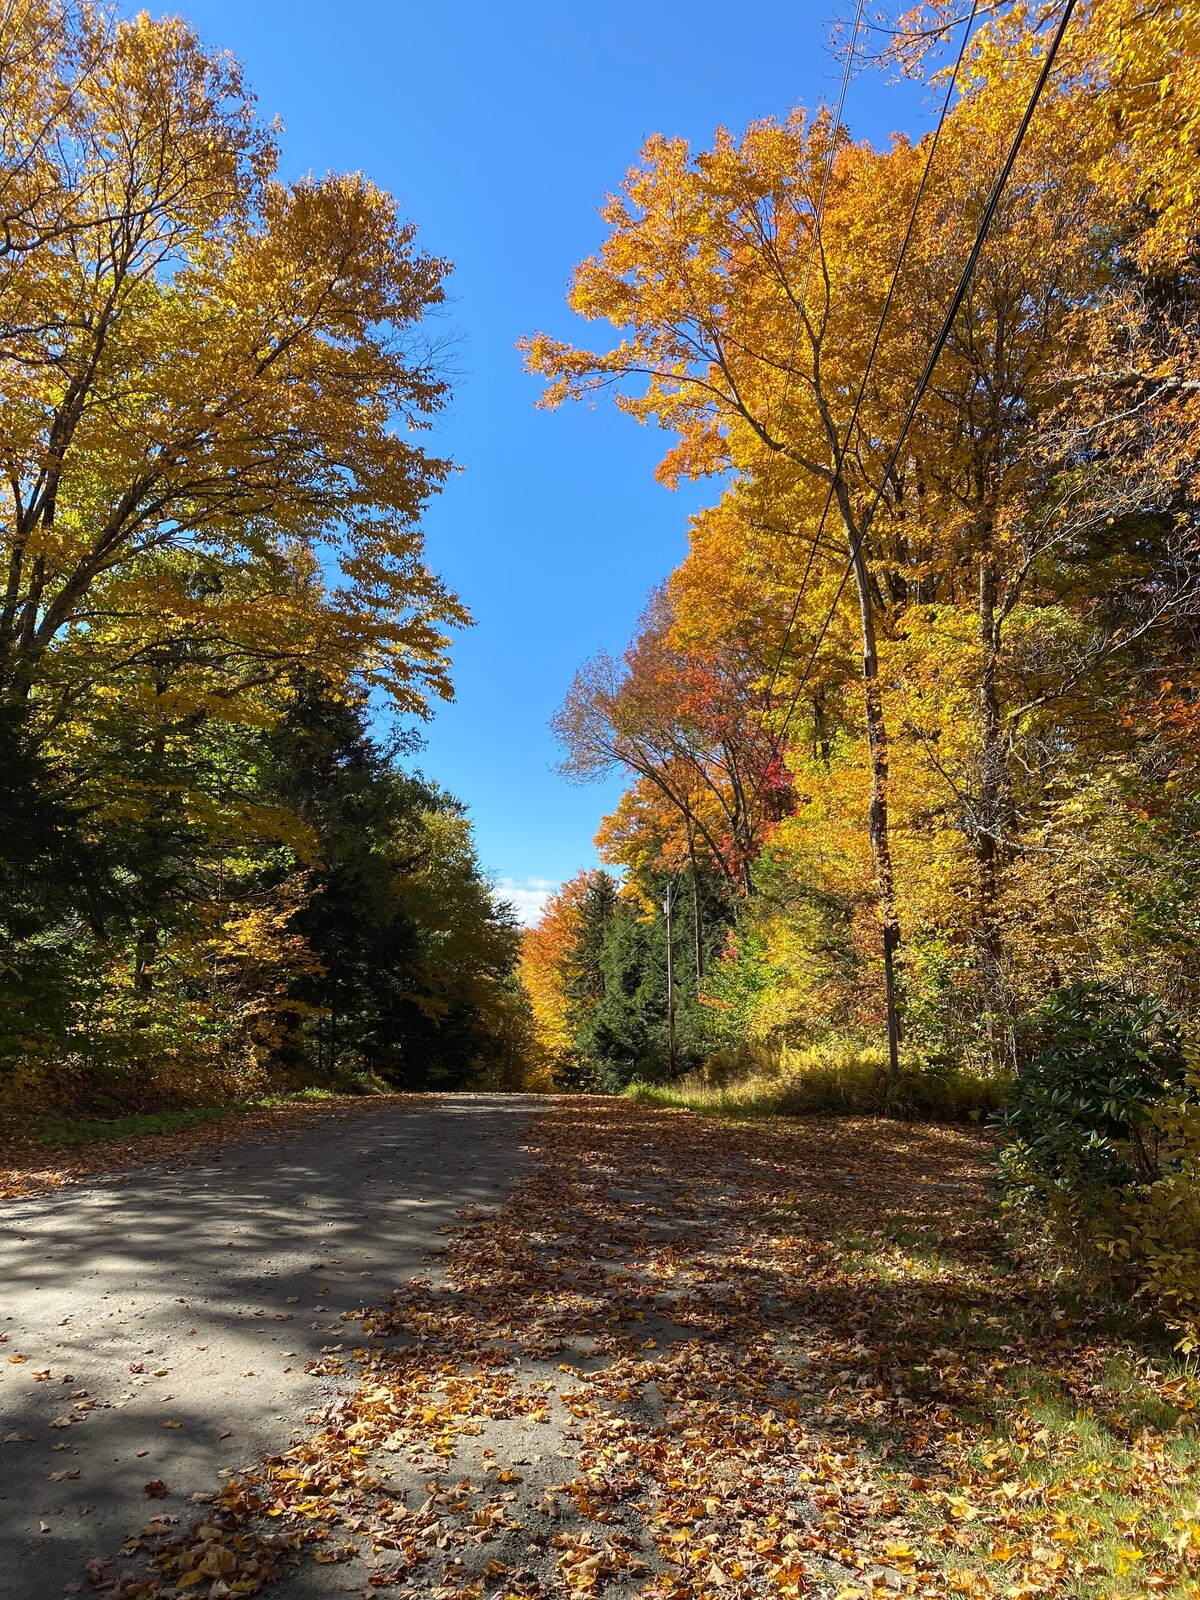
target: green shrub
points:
(1099, 1058)
(1105, 1146)
(1158, 1235)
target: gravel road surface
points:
(165, 1316)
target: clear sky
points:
(500, 128)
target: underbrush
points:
(90, 1130)
(156, 1098)
(68, 1131)
(72, 1131)
(842, 1081)
(1101, 1171)
(72, 1106)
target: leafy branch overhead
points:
(215, 382)
(216, 394)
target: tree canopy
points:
(215, 392)
(921, 692)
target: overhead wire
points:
(819, 210)
(840, 449)
(938, 346)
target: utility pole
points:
(697, 929)
(668, 908)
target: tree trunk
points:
(146, 944)
(669, 907)
(877, 815)
(992, 776)
(698, 928)
(877, 745)
(697, 915)
(144, 951)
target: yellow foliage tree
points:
(198, 359)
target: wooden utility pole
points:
(698, 929)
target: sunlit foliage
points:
(214, 388)
(962, 691)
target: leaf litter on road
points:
(692, 1358)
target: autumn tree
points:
(1022, 574)
(684, 721)
(201, 361)
(546, 949)
(745, 351)
(215, 387)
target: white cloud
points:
(527, 896)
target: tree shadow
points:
(231, 1279)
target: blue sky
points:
(500, 129)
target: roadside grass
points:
(1092, 1492)
(1046, 1436)
(72, 1131)
(1106, 1457)
(88, 1130)
(1118, 1488)
(40, 1154)
(835, 1082)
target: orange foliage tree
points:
(1026, 565)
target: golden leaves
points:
(771, 1395)
(224, 394)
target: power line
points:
(819, 213)
(938, 345)
(840, 450)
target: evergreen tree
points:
(411, 950)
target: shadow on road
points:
(166, 1318)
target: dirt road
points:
(154, 1330)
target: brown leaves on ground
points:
(791, 1359)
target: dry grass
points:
(833, 1082)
